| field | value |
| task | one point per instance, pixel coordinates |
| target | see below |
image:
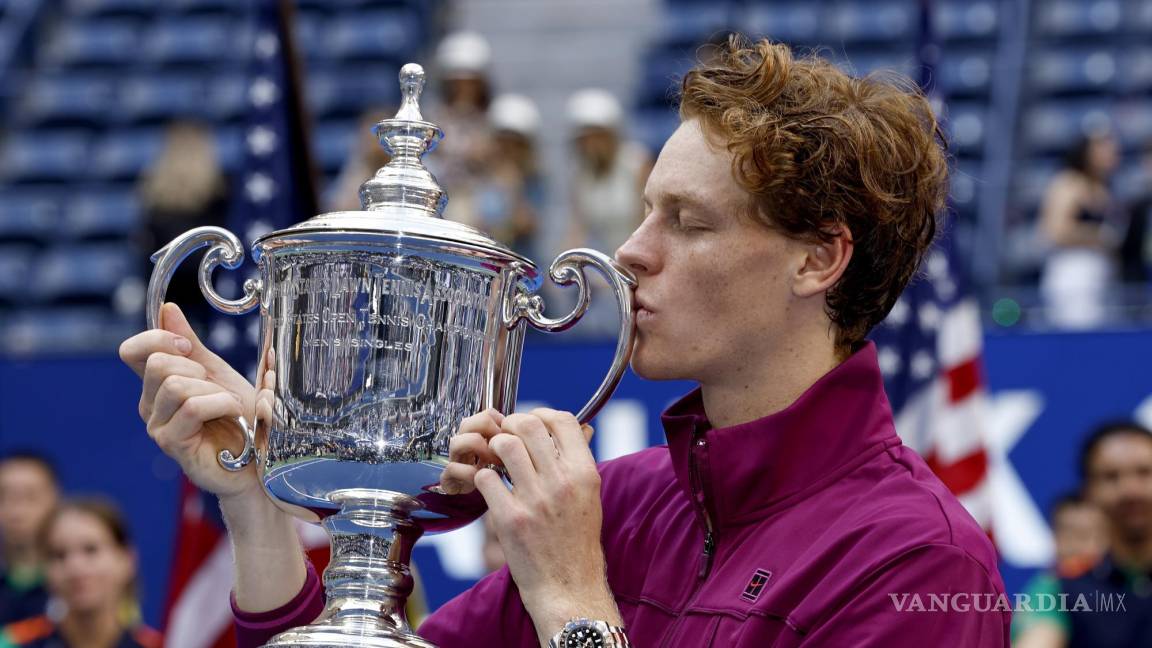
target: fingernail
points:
(183, 345)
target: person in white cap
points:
(609, 173)
(509, 195)
(463, 59)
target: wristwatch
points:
(589, 633)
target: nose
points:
(639, 252)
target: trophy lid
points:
(403, 199)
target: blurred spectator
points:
(29, 490)
(1116, 465)
(184, 188)
(508, 195)
(463, 59)
(1080, 531)
(91, 569)
(610, 172)
(365, 159)
(1136, 250)
(1083, 224)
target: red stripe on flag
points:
(196, 539)
(963, 380)
(963, 475)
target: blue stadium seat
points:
(82, 272)
(966, 181)
(343, 91)
(871, 22)
(190, 40)
(1053, 127)
(227, 97)
(69, 99)
(1139, 19)
(16, 266)
(102, 214)
(967, 125)
(791, 22)
(108, 8)
(104, 42)
(1136, 67)
(1133, 119)
(229, 147)
(661, 75)
(30, 215)
(310, 34)
(44, 155)
(653, 127)
(1061, 70)
(124, 154)
(967, 20)
(965, 73)
(208, 6)
(1076, 18)
(859, 64)
(1032, 178)
(1131, 182)
(386, 34)
(69, 330)
(162, 97)
(332, 143)
(694, 23)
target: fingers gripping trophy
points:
(381, 330)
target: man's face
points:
(714, 286)
(27, 496)
(1120, 483)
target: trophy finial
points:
(411, 86)
(404, 182)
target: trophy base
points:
(337, 636)
(367, 579)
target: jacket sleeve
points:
(490, 613)
(254, 629)
(934, 595)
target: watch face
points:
(584, 636)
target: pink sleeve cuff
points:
(254, 629)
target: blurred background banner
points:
(1040, 403)
(126, 122)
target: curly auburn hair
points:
(818, 151)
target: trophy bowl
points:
(380, 330)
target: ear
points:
(823, 263)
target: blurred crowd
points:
(1098, 591)
(67, 565)
(490, 163)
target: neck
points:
(95, 629)
(1132, 551)
(21, 557)
(766, 384)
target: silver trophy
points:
(381, 330)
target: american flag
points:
(930, 350)
(275, 190)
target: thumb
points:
(172, 319)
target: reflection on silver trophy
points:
(380, 331)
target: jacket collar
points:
(840, 421)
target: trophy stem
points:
(368, 579)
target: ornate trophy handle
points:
(568, 268)
(227, 251)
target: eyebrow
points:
(680, 197)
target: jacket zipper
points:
(699, 496)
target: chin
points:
(652, 366)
